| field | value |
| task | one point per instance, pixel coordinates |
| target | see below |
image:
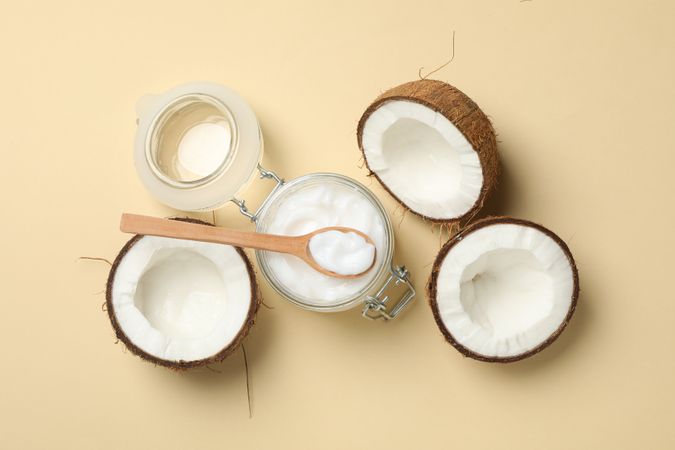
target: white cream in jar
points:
(318, 206)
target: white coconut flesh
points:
(181, 300)
(423, 159)
(504, 289)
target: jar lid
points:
(197, 145)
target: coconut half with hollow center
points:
(180, 303)
(432, 148)
(503, 289)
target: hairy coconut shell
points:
(432, 288)
(464, 114)
(182, 365)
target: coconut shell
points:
(432, 288)
(182, 365)
(464, 114)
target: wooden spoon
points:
(293, 245)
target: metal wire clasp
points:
(264, 173)
(375, 306)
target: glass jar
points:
(372, 296)
(165, 120)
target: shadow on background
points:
(503, 201)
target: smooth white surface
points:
(342, 253)
(423, 159)
(504, 289)
(181, 300)
(318, 206)
(203, 148)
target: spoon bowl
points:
(309, 258)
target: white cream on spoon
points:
(342, 253)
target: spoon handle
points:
(154, 226)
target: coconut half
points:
(503, 289)
(432, 148)
(180, 303)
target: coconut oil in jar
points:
(316, 201)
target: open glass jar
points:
(199, 145)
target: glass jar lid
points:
(197, 145)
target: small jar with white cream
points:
(199, 145)
(320, 200)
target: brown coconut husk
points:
(464, 113)
(183, 365)
(432, 288)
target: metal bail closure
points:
(264, 173)
(377, 306)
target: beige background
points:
(582, 96)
